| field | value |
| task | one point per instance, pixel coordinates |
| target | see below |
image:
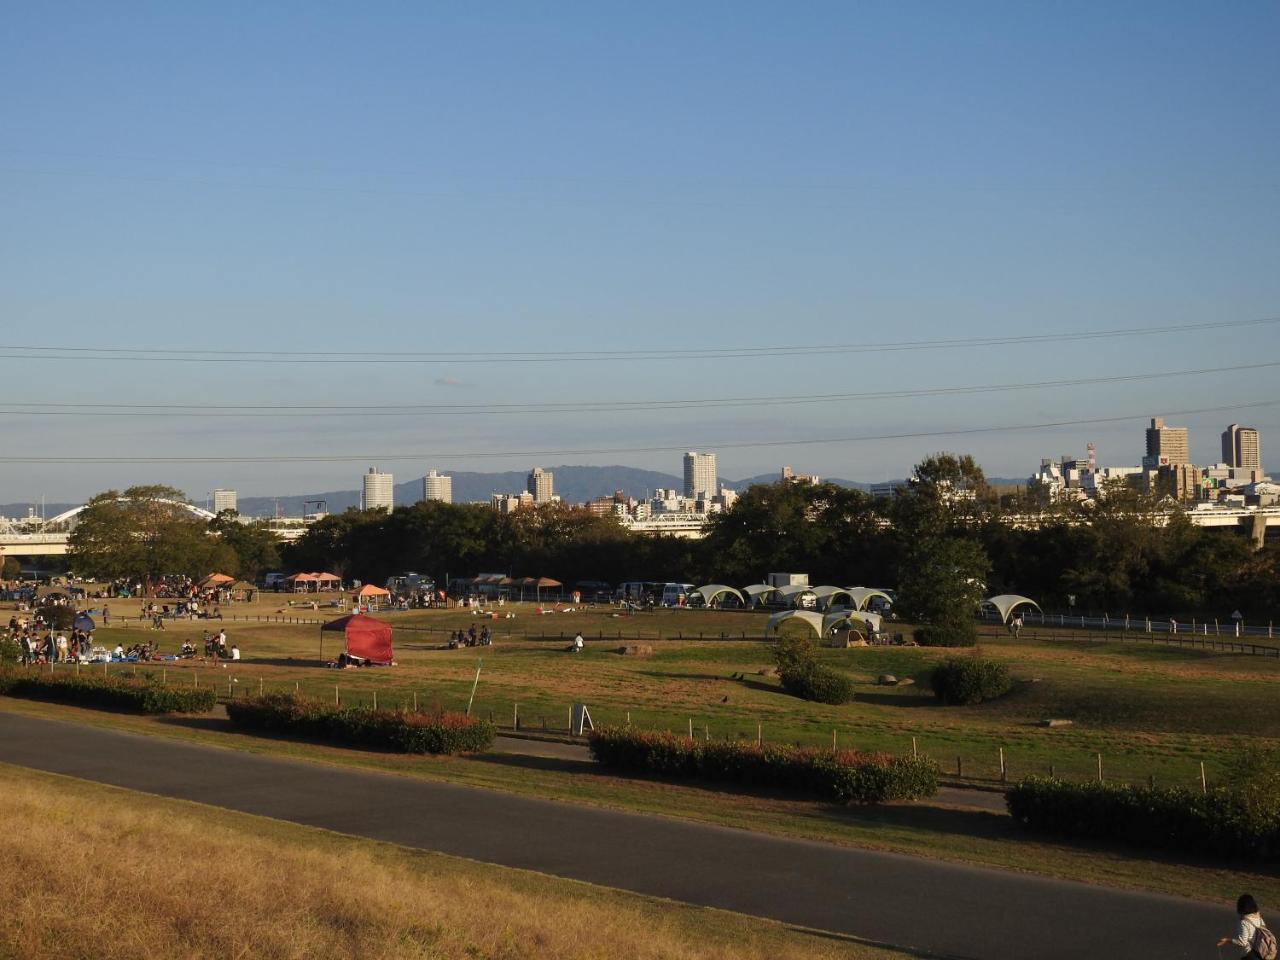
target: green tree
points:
(255, 547)
(143, 533)
(941, 584)
(12, 569)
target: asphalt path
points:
(935, 908)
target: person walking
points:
(1252, 935)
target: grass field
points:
(101, 872)
(1149, 710)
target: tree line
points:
(944, 539)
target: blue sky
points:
(397, 176)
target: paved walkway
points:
(938, 908)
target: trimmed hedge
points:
(839, 776)
(400, 730)
(1222, 822)
(967, 680)
(961, 634)
(107, 693)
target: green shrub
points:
(1222, 822)
(106, 693)
(802, 675)
(10, 651)
(964, 680)
(818, 683)
(400, 730)
(843, 776)
(959, 633)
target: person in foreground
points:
(1252, 934)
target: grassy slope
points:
(164, 878)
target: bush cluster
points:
(1223, 822)
(958, 633)
(400, 730)
(818, 683)
(839, 776)
(963, 680)
(106, 693)
(803, 676)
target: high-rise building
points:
(224, 500)
(377, 493)
(700, 475)
(1241, 448)
(1166, 446)
(540, 484)
(437, 486)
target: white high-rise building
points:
(224, 500)
(700, 475)
(1240, 448)
(540, 484)
(377, 493)
(437, 486)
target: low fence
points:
(996, 761)
(1145, 624)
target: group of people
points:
(471, 637)
(49, 646)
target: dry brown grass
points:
(99, 872)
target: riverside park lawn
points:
(1149, 710)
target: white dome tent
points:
(1006, 603)
(828, 597)
(861, 596)
(810, 618)
(714, 591)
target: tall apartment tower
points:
(376, 494)
(224, 499)
(540, 484)
(437, 486)
(1166, 446)
(700, 475)
(1241, 448)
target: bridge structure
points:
(29, 537)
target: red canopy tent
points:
(367, 638)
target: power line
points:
(277, 411)
(180, 355)
(544, 454)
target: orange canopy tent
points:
(366, 638)
(369, 590)
(216, 579)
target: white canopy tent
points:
(861, 596)
(1006, 603)
(809, 617)
(828, 597)
(759, 593)
(794, 595)
(714, 591)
